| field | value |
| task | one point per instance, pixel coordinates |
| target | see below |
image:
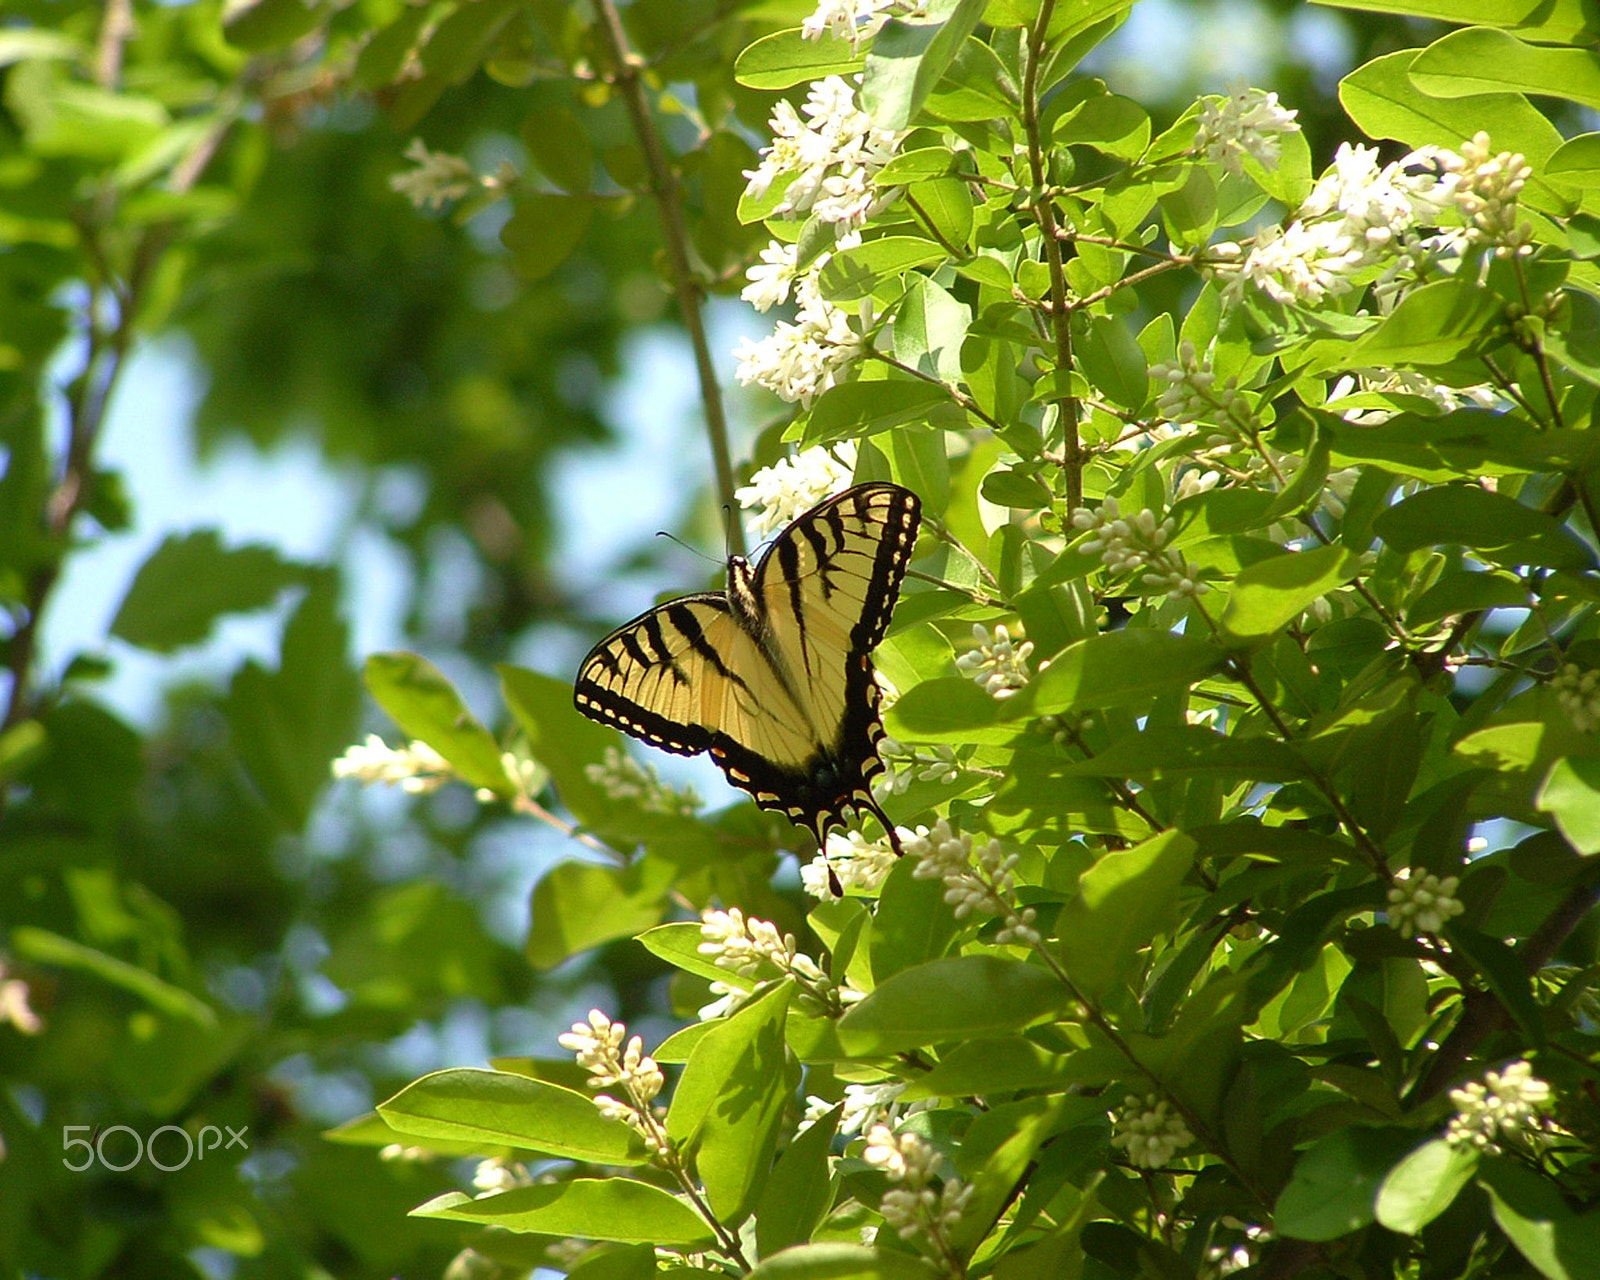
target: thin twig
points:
(664, 187)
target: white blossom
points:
(829, 159)
(976, 880)
(1149, 1131)
(596, 1045)
(801, 358)
(913, 1207)
(743, 945)
(1578, 695)
(1422, 903)
(417, 767)
(1247, 122)
(999, 663)
(1189, 393)
(904, 765)
(1139, 541)
(14, 1006)
(438, 178)
(1508, 1106)
(622, 777)
(792, 486)
(497, 1174)
(851, 859)
(852, 20)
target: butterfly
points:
(773, 676)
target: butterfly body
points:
(773, 676)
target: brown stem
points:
(1044, 213)
(664, 187)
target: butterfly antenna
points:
(694, 551)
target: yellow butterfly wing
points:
(774, 676)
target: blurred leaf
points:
(41, 946)
(289, 724)
(262, 25)
(189, 581)
(1424, 1185)
(579, 905)
(1531, 1211)
(544, 230)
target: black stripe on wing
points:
(669, 643)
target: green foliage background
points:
(205, 945)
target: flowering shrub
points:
(1266, 800)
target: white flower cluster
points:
(1507, 1106)
(417, 767)
(1138, 542)
(1422, 903)
(742, 946)
(828, 160)
(794, 485)
(852, 20)
(622, 777)
(855, 861)
(987, 887)
(438, 179)
(866, 1105)
(498, 1174)
(1149, 1131)
(599, 1049)
(1191, 393)
(904, 765)
(999, 663)
(1247, 122)
(14, 1006)
(1360, 215)
(800, 359)
(913, 1207)
(1578, 696)
(1407, 382)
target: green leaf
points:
(855, 273)
(1460, 591)
(785, 58)
(1124, 900)
(1552, 20)
(499, 1109)
(1271, 593)
(853, 409)
(1483, 60)
(945, 205)
(909, 58)
(561, 739)
(1114, 363)
(289, 724)
(1571, 795)
(589, 1208)
(559, 145)
(929, 329)
(579, 905)
(799, 1190)
(1435, 324)
(28, 44)
(1467, 515)
(260, 25)
(1576, 161)
(836, 1261)
(950, 710)
(544, 230)
(427, 708)
(1383, 103)
(189, 581)
(956, 998)
(1333, 1190)
(41, 946)
(730, 1101)
(1531, 1211)
(1498, 965)
(1424, 1185)
(1119, 668)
